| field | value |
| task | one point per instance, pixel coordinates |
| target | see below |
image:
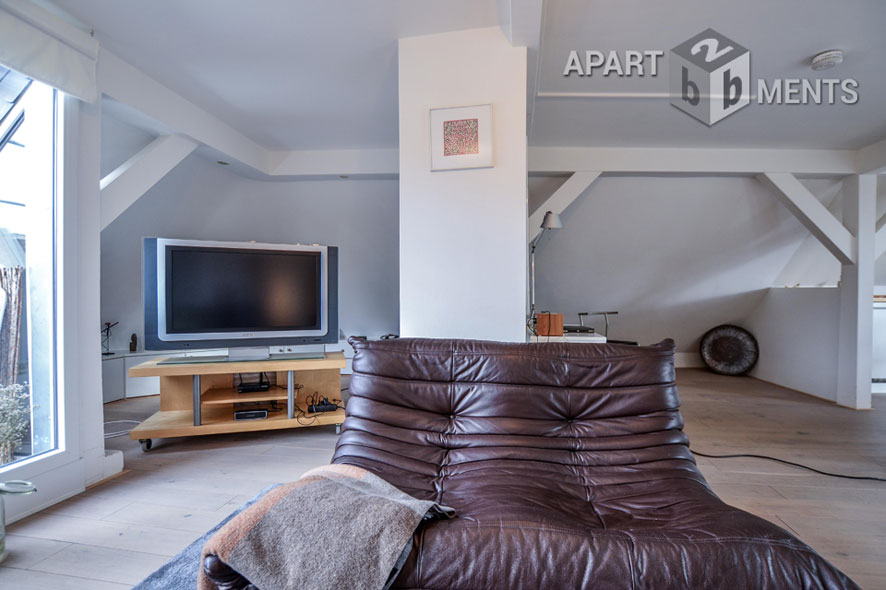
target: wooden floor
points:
(114, 534)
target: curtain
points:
(44, 47)
(12, 283)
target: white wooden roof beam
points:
(880, 237)
(334, 162)
(125, 185)
(129, 85)
(872, 159)
(557, 160)
(813, 215)
(564, 196)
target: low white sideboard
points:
(116, 382)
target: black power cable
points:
(801, 466)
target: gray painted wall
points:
(674, 255)
(202, 200)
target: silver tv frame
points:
(157, 337)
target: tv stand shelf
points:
(230, 395)
(198, 398)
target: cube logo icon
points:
(710, 76)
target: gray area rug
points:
(180, 572)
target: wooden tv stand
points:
(198, 398)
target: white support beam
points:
(378, 162)
(813, 215)
(564, 196)
(855, 338)
(122, 81)
(872, 159)
(520, 21)
(880, 238)
(808, 257)
(557, 160)
(125, 185)
(173, 113)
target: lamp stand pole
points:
(532, 245)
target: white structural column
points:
(463, 254)
(125, 185)
(856, 295)
(564, 196)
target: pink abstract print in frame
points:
(461, 137)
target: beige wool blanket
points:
(339, 526)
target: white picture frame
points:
(460, 137)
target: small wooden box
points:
(550, 324)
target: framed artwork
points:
(461, 137)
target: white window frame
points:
(66, 445)
(80, 459)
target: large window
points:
(28, 402)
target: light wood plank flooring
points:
(114, 534)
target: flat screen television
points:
(206, 294)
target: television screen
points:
(208, 294)
(238, 290)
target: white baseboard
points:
(688, 360)
(113, 463)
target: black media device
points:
(324, 405)
(250, 414)
(252, 387)
(263, 384)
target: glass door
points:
(28, 230)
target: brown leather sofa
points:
(567, 466)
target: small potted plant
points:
(15, 419)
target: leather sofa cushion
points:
(567, 466)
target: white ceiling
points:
(306, 74)
(290, 74)
(781, 36)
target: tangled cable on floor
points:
(800, 465)
(121, 432)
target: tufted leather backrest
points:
(421, 410)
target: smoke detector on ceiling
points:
(827, 59)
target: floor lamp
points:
(550, 221)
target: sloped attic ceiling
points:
(781, 36)
(301, 74)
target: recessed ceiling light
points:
(222, 163)
(827, 59)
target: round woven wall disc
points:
(729, 350)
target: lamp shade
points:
(551, 221)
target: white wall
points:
(797, 330)
(463, 232)
(675, 256)
(202, 200)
